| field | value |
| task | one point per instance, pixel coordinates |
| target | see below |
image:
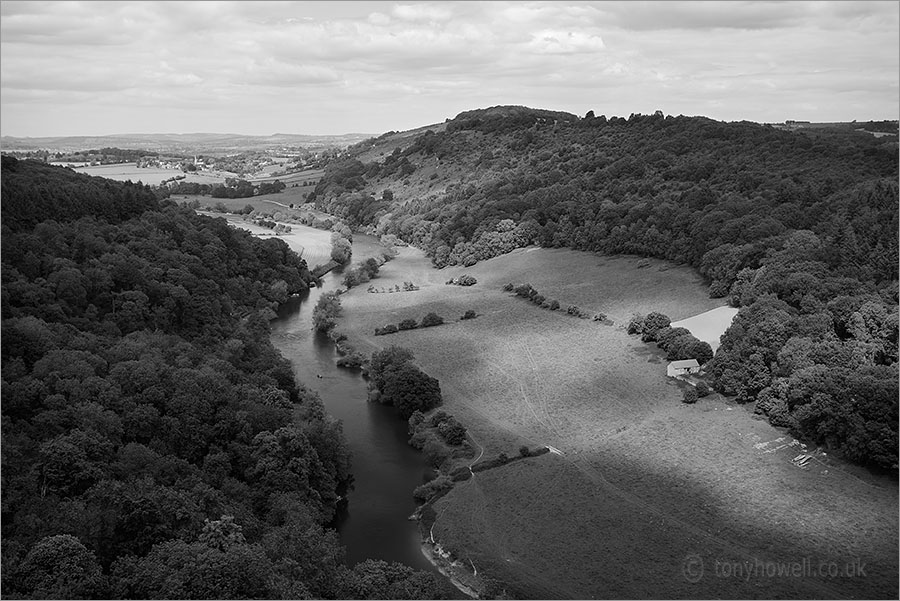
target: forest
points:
(155, 444)
(799, 229)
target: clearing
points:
(709, 326)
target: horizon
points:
(321, 67)
(361, 133)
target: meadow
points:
(643, 483)
(314, 245)
(152, 176)
(708, 326)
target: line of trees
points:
(431, 319)
(678, 342)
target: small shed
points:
(682, 368)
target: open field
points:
(311, 244)
(152, 176)
(709, 326)
(304, 179)
(645, 483)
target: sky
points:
(259, 68)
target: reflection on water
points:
(385, 468)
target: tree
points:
(326, 311)
(432, 319)
(453, 432)
(409, 389)
(652, 324)
(690, 395)
(385, 361)
(60, 567)
(180, 570)
(341, 248)
(71, 463)
(377, 579)
(408, 324)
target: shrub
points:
(352, 361)
(418, 440)
(470, 314)
(690, 396)
(466, 280)
(461, 474)
(453, 432)
(388, 329)
(436, 453)
(524, 451)
(574, 310)
(636, 324)
(408, 324)
(415, 420)
(509, 287)
(437, 418)
(439, 485)
(432, 319)
(702, 389)
(554, 305)
(524, 290)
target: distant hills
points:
(183, 143)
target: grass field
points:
(151, 176)
(310, 243)
(645, 482)
(710, 325)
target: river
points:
(385, 468)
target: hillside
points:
(796, 227)
(155, 443)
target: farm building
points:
(682, 368)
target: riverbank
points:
(454, 571)
(708, 480)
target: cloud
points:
(419, 13)
(324, 59)
(271, 72)
(565, 42)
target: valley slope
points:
(629, 216)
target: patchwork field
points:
(646, 489)
(151, 176)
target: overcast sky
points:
(94, 68)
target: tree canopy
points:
(155, 444)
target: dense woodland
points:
(155, 444)
(797, 228)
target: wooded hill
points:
(155, 444)
(798, 228)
